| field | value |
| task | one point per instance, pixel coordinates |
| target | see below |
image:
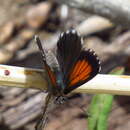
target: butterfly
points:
(70, 68)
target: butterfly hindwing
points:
(84, 69)
(51, 75)
(45, 57)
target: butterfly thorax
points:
(59, 84)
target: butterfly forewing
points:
(68, 50)
(77, 65)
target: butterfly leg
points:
(43, 119)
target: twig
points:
(116, 10)
(109, 84)
(22, 77)
(34, 78)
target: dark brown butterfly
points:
(72, 67)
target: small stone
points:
(37, 15)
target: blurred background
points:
(20, 20)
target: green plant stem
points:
(100, 107)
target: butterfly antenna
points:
(38, 41)
(41, 124)
(84, 111)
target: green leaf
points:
(100, 107)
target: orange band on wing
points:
(51, 75)
(82, 63)
(79, 67)
(80, 73)
(75, 69)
